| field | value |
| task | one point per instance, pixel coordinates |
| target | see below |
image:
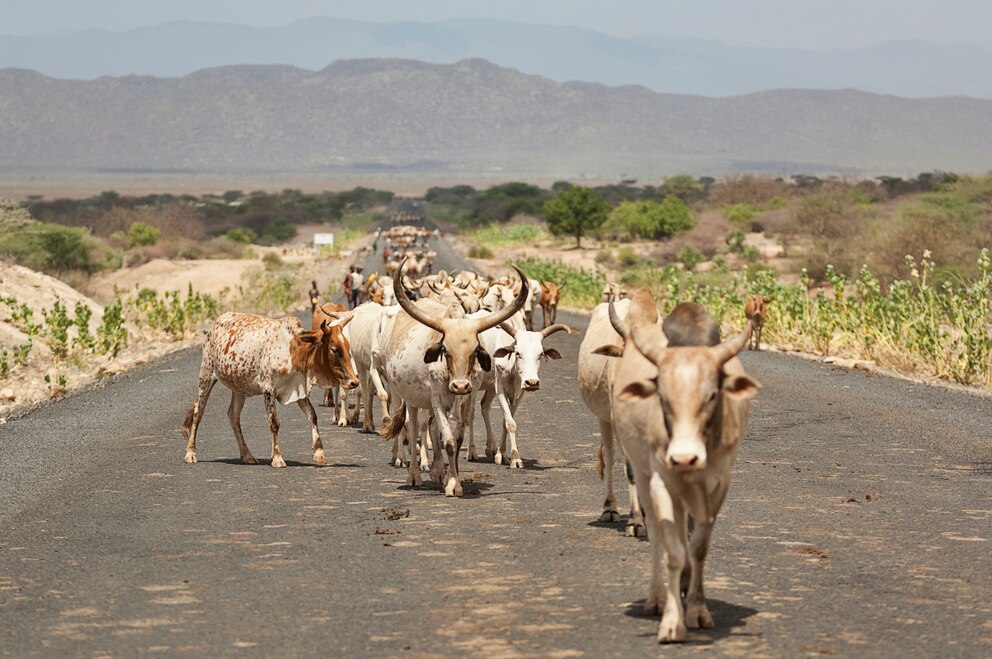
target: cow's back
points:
(246, 351)
(595, 370)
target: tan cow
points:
(550, 292)
(754, 310)
(327, 313)
(596, 372)
(253, 355)
(679, 413)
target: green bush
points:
(604, 256)
(628, 257)
(272, 261)
(241, 235)
(49, 248)
(479, 252)
(690, 257)
(649, 219)
(583, 288)
(140, 234)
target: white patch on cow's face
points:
(529, 351)
(689, 393)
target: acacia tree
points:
(575, 211)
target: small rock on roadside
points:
(7, 394)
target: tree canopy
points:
(575, 211)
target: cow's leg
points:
(353, 417)
(605, 461)
(329, 401)
(635, 521)
(413, 478)
(757, 339)
(270, 405)
(315, 444)
(452, 488)
(510, 425)
(381, 392)
(554, 314)
(424, 433)
(486, 405)
(654, 603)
(668, 519)
(204, 386)
(234, 416)
(365, 387)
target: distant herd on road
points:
(668, 392)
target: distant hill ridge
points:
(670, 64)
(471, 117)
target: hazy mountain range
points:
(471, 117)
(673, 65)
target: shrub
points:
(649, 219)
(272, 261)
(479, 252)
(241, 235)
(628, 257)
(584, 287)
(690, 257)
(140, 234)
(49, 248)
(604, 256)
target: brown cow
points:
(754, 310)
(254, 355)
(550, 293)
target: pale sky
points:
(774, 23)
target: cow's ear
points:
(638, 390)
(505, 351)
(609, 351)
(562, 286)
(552, 353)
(740, 387)
(434, 353)
(309, 337)
(485, 361)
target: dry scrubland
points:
(890, 273)
(110, 302)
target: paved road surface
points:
(858, 524)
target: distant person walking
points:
(355, 281)
(314, 296)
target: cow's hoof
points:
(414, 480)
(635, 530)
(278, 462)
(498, 458)
(698, 616)
(653, 606)
(190, 457)
(249, 459)
(610, 516)
(319, 457)
(516, 464)
(342, 423)
(453, 488)
(472, 457)
(671, 630)
(490, 454)
(397, 462)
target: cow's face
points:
(691, 390)
(332, 361)
(459, 345)
(528, 350)
(550, 293)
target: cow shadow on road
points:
(729, 619)
(267, 462)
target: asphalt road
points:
(858, 524)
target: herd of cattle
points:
(669, 393)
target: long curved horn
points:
(508, 328)
(430, 285)
(408, 305)
(618, 324)
(494, 319)
(731, 347)
(557, 327)
(647, 340)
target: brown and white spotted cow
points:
(253, 355)
(550, 292)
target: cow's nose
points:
(351, 384)
(532, 385)
(460, 387)
(685, 462)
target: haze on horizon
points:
(840, 24)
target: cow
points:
(517, 354)
(613, 292)
(550, 292)
(532, 297)
(679, 413)
(430, 365)
(604, 336)
(327, 312)
(253, 355)
(754, 310)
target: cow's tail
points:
(395, 427)
(600, 461)
(188, 423)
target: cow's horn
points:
(726, 350)
(409, 306)
(648, 341)
(494, 319)
(618, 324)
(557, 327)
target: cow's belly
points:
(242, 381)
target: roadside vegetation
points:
(891, 271)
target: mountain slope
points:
(469, 117)
(665, 64)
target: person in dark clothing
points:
(314, 296)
